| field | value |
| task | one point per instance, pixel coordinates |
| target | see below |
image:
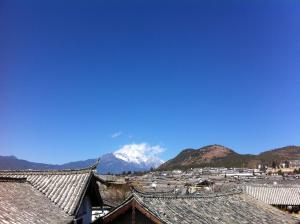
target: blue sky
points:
(177, 74)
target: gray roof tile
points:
(231, 207)
(64, 188)
(275, 194)
(20, 202)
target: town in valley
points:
(268, 193)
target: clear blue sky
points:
(172, 73)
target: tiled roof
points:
(234, 207)
(20, 202)
(65, 188)
(275, 195)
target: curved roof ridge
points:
(175, 196)
(65, 188)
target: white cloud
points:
(139, 153)
(116, 134)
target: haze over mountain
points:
(221, 156)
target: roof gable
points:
(20, 202)
(65, 188)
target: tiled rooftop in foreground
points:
(20, 202)
(231, 207)
(52, 196)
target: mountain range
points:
(109, 163)
(221, 156)
(207, 156)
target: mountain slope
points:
(220, 156)
(211, 155)
(13, 163)
(204, 155)
(280, 154)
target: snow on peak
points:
(142, 153)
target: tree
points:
(274, 165)
(297, 171)
(287, 164)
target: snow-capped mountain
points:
(140, 154)
(133, 157)
(109, 163)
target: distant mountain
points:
(77, 164)
(221, 156)
(280, 154)
(207, 156)
(109, 163)
(13, 163)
